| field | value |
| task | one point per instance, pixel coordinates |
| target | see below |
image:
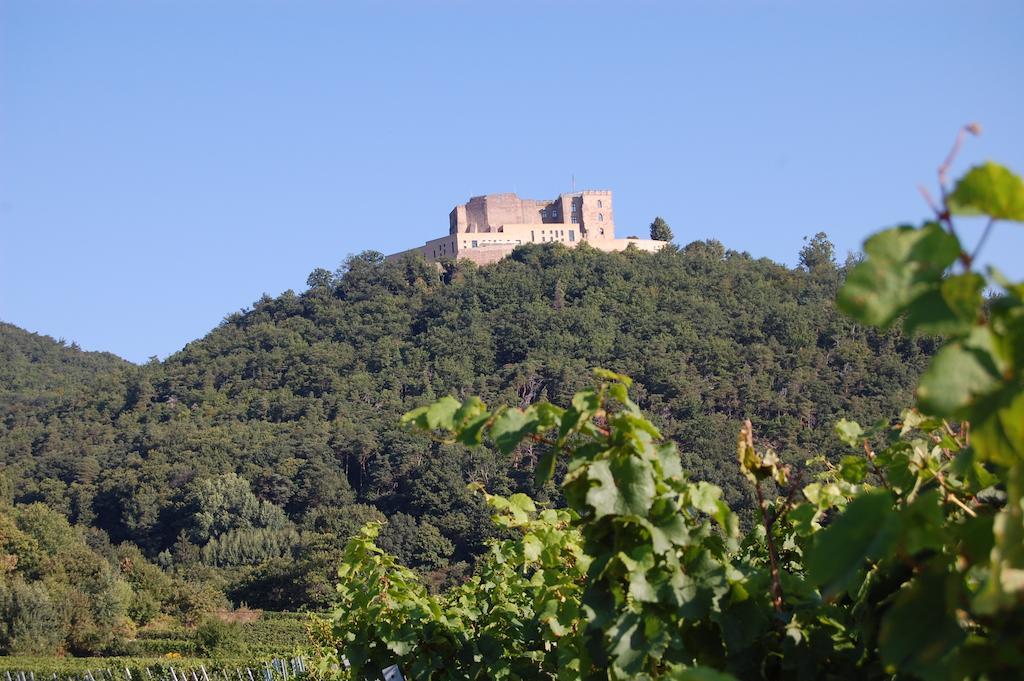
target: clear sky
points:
(163, 164)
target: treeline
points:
(247, 459)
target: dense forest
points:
(246, 460)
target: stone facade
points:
(487, 228)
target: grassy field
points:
(260, 634)
(165, 650)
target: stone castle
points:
(487, 228)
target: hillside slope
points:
(35, 367)
(300, 397)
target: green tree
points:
(29, 621)
(226, 503)
(660, 230)
(817, 253)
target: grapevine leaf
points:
(918, 631)
(521, 503)
(612, 376)
(510, 427)
(865, 531)
(998, 435)
(962, 293)
(950, 309)
(637, 567)
(668, 458)
(989, 189)
(852, 469)
(532, 547)
(545, 468)
(471, 433)
(849, 432)
(621, 393)
(1005, 583)
(627, 643)
(441, 414)
(416, 416)
(548, 414)
(635, 479)
(707, 498)
(586, 402)
(625, 487)
(966, 466)
(961, 372)
(668, 533)
(603, 497)
(974, 538)
(584, 406)
(902, 264)
(471, 408)
(743, 623)
(922, 524)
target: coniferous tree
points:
(660, 230)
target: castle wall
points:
(487, 228)
(648, 245)
(487, 213)
(489, 254)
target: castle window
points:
(531, 236)
(474, 244)
(600, 217)
(575, 220)
(599, 204)
(572, 235)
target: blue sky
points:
(163, 164)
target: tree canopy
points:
(660, 230)
(256, 451)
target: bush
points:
(28, 620)
(215, 637)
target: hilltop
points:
(34, 367)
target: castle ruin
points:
(487, 228)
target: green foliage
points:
(660, 230)
(214, 636)
(818, 255)
(226, 503)
(902, 560)
(63, 590)
(903, 269)
(249, 458)
(29, 621)
(989, 190)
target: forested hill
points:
(301, 395)
(36, 367)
